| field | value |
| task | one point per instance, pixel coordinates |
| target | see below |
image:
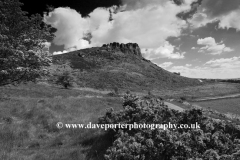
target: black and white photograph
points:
(120, 80)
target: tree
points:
(23, 40)
(60, 73)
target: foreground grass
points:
(33, 90)
(28, 124)
(29, 113)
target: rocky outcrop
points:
(129, 48)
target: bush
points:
(212, 141)
(183, 98)
(112, 94)
(65, 79)
(116, 91)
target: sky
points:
(198, 38)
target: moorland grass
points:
(230, 105)
(28, 124)
(206, 90)
(30, 112)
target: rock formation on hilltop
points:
(129, 48)
(121, 66)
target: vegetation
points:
(214, 140)
(23, 41)
(105, 69)
(65, 79)
(198, 92)
(222, 105)
(61, 74)
(31, 111)
(231, 80)
(28, 122)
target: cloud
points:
(207, 41)
(231, 20)
(165, 64)
(233, 62)
(60, 52)
(136, 4)
(215, 8)
(193, 48)
(70, 28)
(224, 11)
(148, 23)
(146, 26)
(188, 65)
(219, 68)
(211, 47)
(164, 51)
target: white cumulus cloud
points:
(224, 11)
(188, 65)
(60, 52)
(233, 62)
(211, 47)
(164, 51)
(70, 27)
(148, 23)
(165, 64)
(231, 20)
(218, 68)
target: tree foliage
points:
(23, 40)
(215, 139)
(61, 73)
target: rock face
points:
(129, 48)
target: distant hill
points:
(121, 66)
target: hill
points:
(121, 66)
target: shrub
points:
(65, 79)
(116, 91)
(212, 141)
(112, 94)
(183, 98)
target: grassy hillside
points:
(29, 114)
(102, 68)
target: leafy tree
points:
(61, 74)
(23, 40)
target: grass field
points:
(206, 90)
(29, 115)
(231, 105)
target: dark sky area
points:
(82, 6)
